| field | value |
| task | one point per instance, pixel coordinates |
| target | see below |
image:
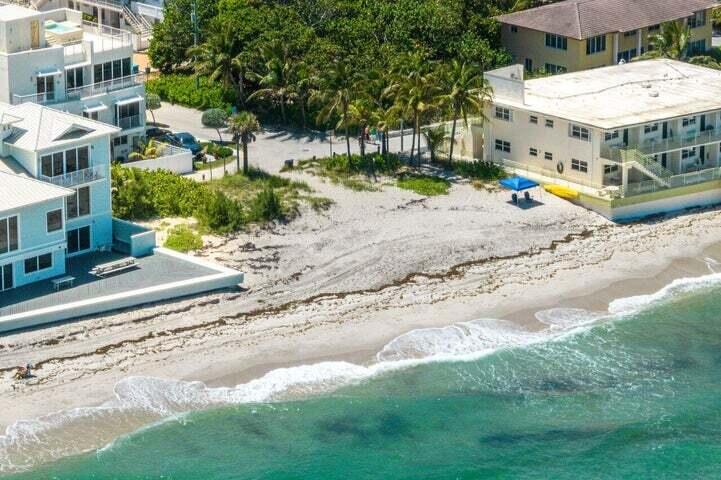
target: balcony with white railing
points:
(78, 177)
(675, 143)
(107, 86)
(105, 38)
(79, 93)
(133, 121)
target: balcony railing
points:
(653, 147)
(85, 91)
(107, 86)
(78, 177)
(133, 121)
(675, 181)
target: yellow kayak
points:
(561, 191)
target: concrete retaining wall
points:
(180, 161)
(138, 241)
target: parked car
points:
(156, 132)
(186, 140)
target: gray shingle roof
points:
(582, 19)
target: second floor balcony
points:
(133, 121)
(79, 93)
(658, 145)
(78, 177)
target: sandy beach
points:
(340, 284)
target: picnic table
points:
(114, 267)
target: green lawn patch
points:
(425, 185)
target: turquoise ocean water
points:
(633, 394)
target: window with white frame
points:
(548, 156)
(610, 169)
(650, 128)
(579, 165)
(54, 220)
(554, 69)
(9, 234)
(556, 41)
(697, 20)
(533, 119)
(581, 133)
(688, 121)
(68, 161)
(533, 152)
(112, 70)
(596, 44)
(78, 204)
(688, 153)
(549, 123)
(503, 146)
(39, 263)
(611, 135)
(503, 113)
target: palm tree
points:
(243, 126)
(434, 139)
(336, 91)
(416, 92)
(466, 92)
(216, 58)
(362, 114)
(671, 42)
(304, 81)
(275, 79)
(378, 90)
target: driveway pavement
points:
(273, 146)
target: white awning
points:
(49, 73)
(95, 108)
(77, 65)
(128, 101)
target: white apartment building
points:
(57, 59)
(632, 139)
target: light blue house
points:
(55, 199)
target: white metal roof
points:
(18, 191)
(41, 127)
(624, 95)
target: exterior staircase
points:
(137, 22)
(646, 165)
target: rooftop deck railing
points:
(78, 177)
(654, 147)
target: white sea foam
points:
(677, 288)
(142, 401)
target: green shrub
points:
(140, 194)
(218, 151)
(183, 239)
(425, 185)
(478, 170)
(266, 206)
(220, 214)
(181, 89)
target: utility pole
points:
(194, 22)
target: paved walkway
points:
(273, 146)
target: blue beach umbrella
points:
(518, 183)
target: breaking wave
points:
(143, 401)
